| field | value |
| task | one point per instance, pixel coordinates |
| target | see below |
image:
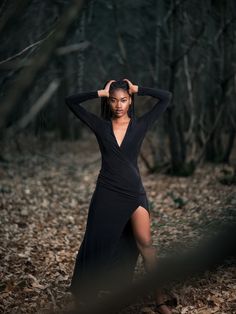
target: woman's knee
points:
(145, 243)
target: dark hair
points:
(105, 107)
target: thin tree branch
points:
(6, 64)
(25, 50)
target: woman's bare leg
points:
(141, 228)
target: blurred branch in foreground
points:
(211, 252)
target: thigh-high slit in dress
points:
(108, 240)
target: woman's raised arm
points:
(155, 112)
(74, 103)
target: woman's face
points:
(119, 101)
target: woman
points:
(118, 224)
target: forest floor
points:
(45, 190)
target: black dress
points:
(108, 241)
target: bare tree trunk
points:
(229, 146)
(62, 110)
(159, 155)
(174, 141)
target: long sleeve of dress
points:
(155, 112)
(92, 120)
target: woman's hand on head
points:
(132, 88)
(105, 92)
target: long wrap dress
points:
(108, 243)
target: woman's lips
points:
(119, 111)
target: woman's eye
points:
(122, 100)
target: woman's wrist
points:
(135, 88)
(102, 93)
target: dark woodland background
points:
(51, 49)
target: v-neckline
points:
(127, 129)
